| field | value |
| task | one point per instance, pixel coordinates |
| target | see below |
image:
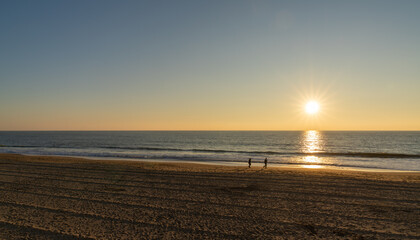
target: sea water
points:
(387, 150)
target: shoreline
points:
(229, 164)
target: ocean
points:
(363, 150)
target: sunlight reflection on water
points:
(312, 166)
(312, 143)
(311, 159)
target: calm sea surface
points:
(312, 149)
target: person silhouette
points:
(249, 163)
(265, 163)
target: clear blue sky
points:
(207, 65)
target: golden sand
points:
(73, 198)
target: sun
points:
(312, 107)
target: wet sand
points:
(70, 198)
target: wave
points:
(366, 154)
(347, 154)
(222, 151)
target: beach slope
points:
(70, 198)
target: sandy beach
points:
(72, 198)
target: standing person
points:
(265, 163)
(249, 163)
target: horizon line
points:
(157, 130)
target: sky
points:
(209, 65)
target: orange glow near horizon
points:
(227, 113)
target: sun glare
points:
(312, 107)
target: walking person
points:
(265, 163)
(249, 163)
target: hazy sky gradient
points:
(209, 65)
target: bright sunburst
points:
(313, 104)
(312, 107)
